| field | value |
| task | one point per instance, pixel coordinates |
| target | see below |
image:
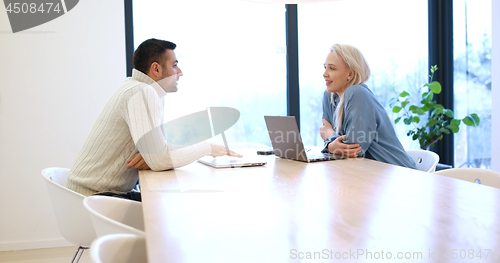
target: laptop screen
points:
(285, 137)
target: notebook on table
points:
(232, 162)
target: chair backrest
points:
(112, 215)
(425, 160)
(119, 248)
(72, 218)
(474, 175)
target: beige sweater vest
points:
(130, 122)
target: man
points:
(130, 128)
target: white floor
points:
(47, 255)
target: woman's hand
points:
(219, 150)
(138, 162)
(326, 131)
(337, 147)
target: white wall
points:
(54, 81)
(495, 72)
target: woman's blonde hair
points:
(355, 61)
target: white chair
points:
(425, 160)
(112, 215)
(474, 175)
(73, 220)
(119, 248)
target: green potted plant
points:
(440, 121)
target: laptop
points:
(232, 162)
(287, 142)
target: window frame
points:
(440, 15)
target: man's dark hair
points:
(149, 51)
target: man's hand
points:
(219, 150)
(138, 162)
(337, 147)
(326, 131)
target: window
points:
(472, 80)
(232, 53)
(394, 41)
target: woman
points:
(355, 123)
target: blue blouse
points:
(366, 123)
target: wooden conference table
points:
(354, 210)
